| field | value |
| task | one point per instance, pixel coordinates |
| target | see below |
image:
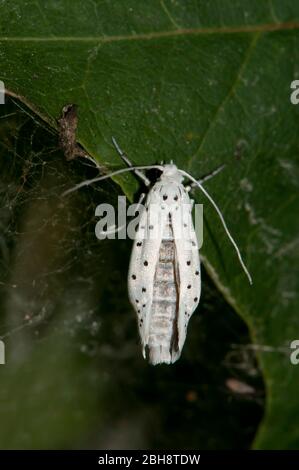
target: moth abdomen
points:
(161, 333)
(163, 322)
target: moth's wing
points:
(143, 263)
(188, 267)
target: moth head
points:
(171, 171)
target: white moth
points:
(164, 275)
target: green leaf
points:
(202, 83)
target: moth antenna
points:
(222, 220)
(118, 149)
(117, 172)
(124, 157)
(212, 174)
(206, 178)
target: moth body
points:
(164, 273)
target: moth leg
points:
(205, 178)
(142, 196)
(124, 157)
